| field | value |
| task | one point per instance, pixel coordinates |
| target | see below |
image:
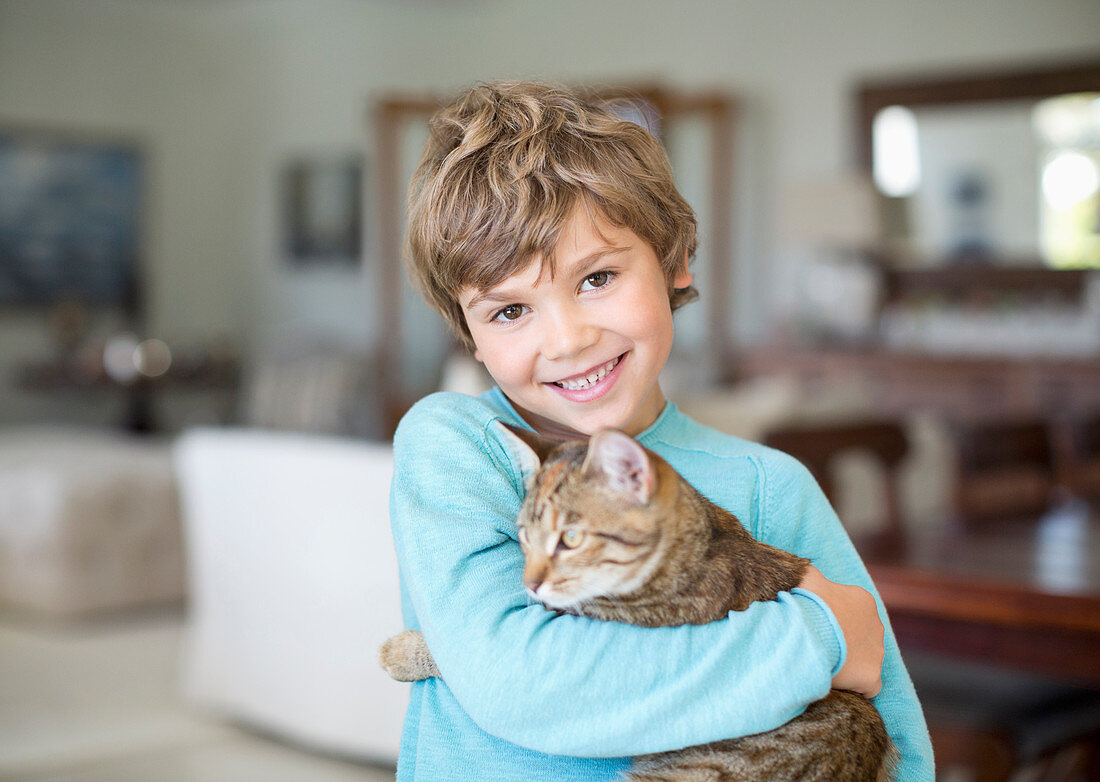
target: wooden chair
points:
(1003, 469)
(988, 720)
(1080, 456)
(818, 445)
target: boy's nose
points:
(567, 335)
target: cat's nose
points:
(534, 574)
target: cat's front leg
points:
(405, 657)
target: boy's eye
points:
(597, 280)
(511, 312)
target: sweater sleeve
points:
(561, 684)
(797, 517)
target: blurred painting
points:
(69, 219)
(323, 208)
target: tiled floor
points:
(98, 703)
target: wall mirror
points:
(987, 169)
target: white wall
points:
(223, 93)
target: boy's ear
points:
(622, 463)
(683, 277)
(527, 448)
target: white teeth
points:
(590, 379)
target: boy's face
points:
(583, 351)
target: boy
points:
(551, 237)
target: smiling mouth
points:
(590, 378)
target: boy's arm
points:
(797, 517)
(562, 684)
(856, 612)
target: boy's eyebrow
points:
(579, 268)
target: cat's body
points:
(612, 532)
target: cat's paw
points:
(405, 657)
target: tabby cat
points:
(611, 531)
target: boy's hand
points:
(857, 613)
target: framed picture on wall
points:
(323, 211)
(70, 218)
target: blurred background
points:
(206, 341)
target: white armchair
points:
(292, 586)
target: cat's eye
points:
(572, 538)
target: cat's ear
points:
(527, 448)
(622, 462)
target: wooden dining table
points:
(1022, 593)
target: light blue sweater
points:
(531, 695)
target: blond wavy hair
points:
(506, 165)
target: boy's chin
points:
(550, 425)
(606, 419)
